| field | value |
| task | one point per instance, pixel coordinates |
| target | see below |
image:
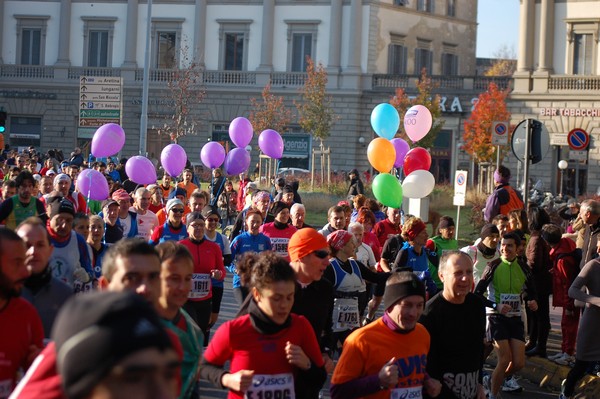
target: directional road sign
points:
(100, 100)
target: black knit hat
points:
(278, 207)
(95, 331)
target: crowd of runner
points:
(72, 271)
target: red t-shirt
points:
(207, 256)
(20, 328)
(279, 238)
(384, 229)
(238, 341)
(371, 240)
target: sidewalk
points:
(550, 375)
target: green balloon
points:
(387, 190)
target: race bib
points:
(200, 286)
(81, 288)
(407, 393)
(514, 301)
(5, 388)
(345, 314)
(271, 386)
(279, 245)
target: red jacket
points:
(564, 270)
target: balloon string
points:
(212, 182)
(89, 194)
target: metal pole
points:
(562, 178)
(576, 179)
(144, 116)
(457, 223)
(526, 164)
(497, 156)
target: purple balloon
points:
(212, 155)
(240, 131)
(402, 148)
(108, 140)
(237, 161)
(92, 184)
(140, 170)
(271, 143)
(173, 159)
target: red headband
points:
(415, 230)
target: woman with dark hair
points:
(538, 260)
(269, 343)
(356, 185)
(279, 231)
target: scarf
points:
(36, 282)
(262, 323)
(488, 252)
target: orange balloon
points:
(381, 154)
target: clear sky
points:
(498, 27)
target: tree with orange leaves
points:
(271, 113)
(490, 107)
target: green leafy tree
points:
(270, 113)
(402, 102)
(315, 113)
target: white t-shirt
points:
(145, 223)
(125, 224)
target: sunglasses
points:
(321, 254)
(214, 220)
(177, 210)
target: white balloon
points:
(418, 184)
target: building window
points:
(449, 60)
(451, 8)
(25, 131)
(166, 42)
(425, 5)
(582, 47)
(302, 42)
(31, 39)
(582, 54)
(423, 59)
(98, 41)
(400, 2)
(397, 56)
(233, 44)
(234, 51)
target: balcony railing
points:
(27, 71)
(156, 75)
(227, 78)
(560, 83)
(448, 82)
(77, 72)
(285, 79)
(481, 83)
(391, 81)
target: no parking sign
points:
(499, 133)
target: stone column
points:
(355, 36)
(546, 38)
(200, 32)
(64, 34)
(131, 35)
(2, 12)
(335, 43)
(268, 26)
(526, 32)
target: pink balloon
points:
(92, 184)
(212, 154)
(108, 140)
(237, 161)
(240, 131)
(271, 143)
(173, 159)
(417, 122)
(402, 148)
(140, 170)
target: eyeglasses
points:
(214, 220)
(321, 254)
(177, 210)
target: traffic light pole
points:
(526, 159)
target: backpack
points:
(576, 254)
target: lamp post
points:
(562, 165)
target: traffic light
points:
(3, 117)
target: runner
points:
(292, 357)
